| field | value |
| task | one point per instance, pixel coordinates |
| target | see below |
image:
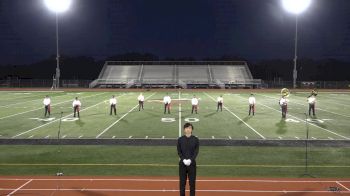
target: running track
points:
(157, 186)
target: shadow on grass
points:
(281, 127)
(246, 119)
(210, 114)
(313, 120)
(79, 122)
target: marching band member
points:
(251, 102)
(284, 103)
(220, 101)
(167, 102)
(141, 99)
(113, 103)
(76, 106)
(47, 103)
(312, 102)
(194, 102)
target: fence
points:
(43, 83)
(46, 83)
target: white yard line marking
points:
(343, 186)
(110, 126)
(310, 123)
(330, 138)
(179, 115)
(175, 180)
(313, 138)
(30, 130)
(43, 107)
(6, 106)
(238, 118)
(13, 192)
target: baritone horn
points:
(314, 92)
(285, 92)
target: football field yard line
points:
(179, 114)
(42, 107)
(30, 130)
(237, 117)
(110, 126)
(10, 96)
(329, 131)
(6, 106)
(307, 107)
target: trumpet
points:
(285, 92)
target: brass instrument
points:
(314, 92)
(285, 92)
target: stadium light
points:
(57, 6)
(296, 7)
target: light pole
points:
(57, 6)
(296, 7)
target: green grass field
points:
(22, 116)
(163, 161)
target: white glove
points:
(187, 162)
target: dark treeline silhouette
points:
(83, 67)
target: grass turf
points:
(162, 161)
(21, 116)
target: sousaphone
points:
(285, 92)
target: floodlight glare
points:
(296, 6)
(58, 5)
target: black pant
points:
(251, 108)
(76, 109)
(312, 107)
(167, 106)
(189, 171)
(219, 106)
(284, 111)
(140, 105)
(195, 108)
(113, 108)
(47, 110)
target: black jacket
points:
(188, 148)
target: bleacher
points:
(163, 74)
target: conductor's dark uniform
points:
(187, 148)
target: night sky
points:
(251, 29)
